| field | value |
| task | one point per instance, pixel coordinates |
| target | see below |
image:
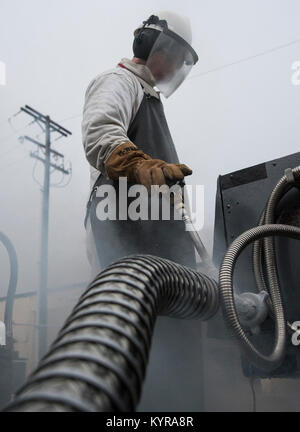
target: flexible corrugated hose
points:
(99, 359)
(263, 242)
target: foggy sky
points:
(221, 121)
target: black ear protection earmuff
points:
(146, 37)
(144, 41)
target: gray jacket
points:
(112, 101)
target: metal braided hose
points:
(274, 359)
(266, 246)
(99, 358)
(264, 249)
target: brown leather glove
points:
(127, 161)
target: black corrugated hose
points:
(263, 242)
(99, 359)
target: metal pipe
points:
(12, 286)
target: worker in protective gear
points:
(126, 135)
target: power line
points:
(59, 182)
(59, 185)
(245, 59)
(71, 118)
(7, 137)
(33, 174)
(10, 118)
(15, 131)
(12, 149)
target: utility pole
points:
(47, 126)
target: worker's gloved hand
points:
(127, 161)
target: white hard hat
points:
(178, 24)
(169, 53)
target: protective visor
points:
(170, 61)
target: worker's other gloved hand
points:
(127, 161)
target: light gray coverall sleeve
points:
(111, 103)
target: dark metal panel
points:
(241, 198)
(245, 176)
(242, 205)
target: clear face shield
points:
(170, 61)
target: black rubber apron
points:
(174, 380)
(168, 239)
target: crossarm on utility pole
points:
(48, 127)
